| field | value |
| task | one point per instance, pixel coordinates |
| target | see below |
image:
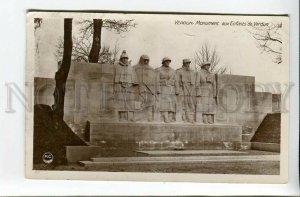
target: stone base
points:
(162, 136)
(272, 147)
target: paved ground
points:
(178, 159)
(241, 167)
(211, 162)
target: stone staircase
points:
(177, 159)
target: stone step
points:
(190, 152)
(178, 159)
(273, 147)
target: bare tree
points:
(95, 28)
(105, 55)
(208, 53)
(37, 23)
(115, 52)
(62, 74)
(81, 48)
(87, 43)
(96, 45)
(268, 39)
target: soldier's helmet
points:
(124, 55)
(165, 59)
(142, 58)
(186, 61)
(145, 57)
(205, 63)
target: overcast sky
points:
(158, 36)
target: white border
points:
(140, 176)
(12, 181)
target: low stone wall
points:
(159, 136)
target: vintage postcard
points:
(182, 97)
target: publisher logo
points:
(48, 157)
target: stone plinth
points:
(159, 136)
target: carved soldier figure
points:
(206, 93)
(124, 91)
(146, 76)
(186, 98)
(167, 90)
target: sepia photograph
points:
(157, 96)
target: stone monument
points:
(141, 108)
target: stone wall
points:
(276, 103)
(89, 96)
